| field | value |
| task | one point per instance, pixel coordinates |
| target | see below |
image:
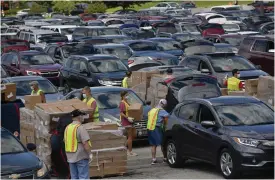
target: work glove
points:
(130, 119)
(91, 158)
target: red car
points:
(211, 28)
(14, 45)
(87, 17)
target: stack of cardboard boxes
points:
(108, 147)
(149, 86)
(261, 88)
(8, 92)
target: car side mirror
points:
(31, 146)
(148, 103)
(258, 67)
(208, 124)
(206, 71)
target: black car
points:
(60, 52)
(17, 162)
(234, 133)
(190, 85)
(92, 70)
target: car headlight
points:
(41, 172)
(247, 141)
(105, 83)
(31, 73)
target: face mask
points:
(238, 75)
(32, 88)
(84, 95)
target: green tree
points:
(36, 8)
(123, 4)
(96, 7)
(63, 6)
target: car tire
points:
(174, 159)
(67, 88)
(227, 164)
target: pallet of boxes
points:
(148, 86)
(261, 88)
(38, 120)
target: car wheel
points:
(174, 159)
(67, 88)
(227, 164)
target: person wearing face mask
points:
(233, 83)
(157, 120)
(78, 146)
(126, 122)
(91, 103)
(37, 91)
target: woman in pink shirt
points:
(126, 121)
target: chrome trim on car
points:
(258, 165)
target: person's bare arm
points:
(43, 98)
(123, 115)
(87, 147)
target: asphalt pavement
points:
(140, 167)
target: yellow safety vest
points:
(233, 84)
(152, 118)
(89, 103)
(37, 93)
(126, 108)
(125, 83)
(70, 137)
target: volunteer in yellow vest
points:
(124, 81)
(157, 119)
(91, 103)
(233, 83)
(126, 122)
(37, 91)
(78, 146)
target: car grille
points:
(140, 125)
(24, 175)
(50, 74)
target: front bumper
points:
(141, 129)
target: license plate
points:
(142, 133)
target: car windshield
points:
(189, 28)
(23, 87)
(39, 59)
(66, 31)
(234, 41)
(173, 4)
(227, 64)
(143, 46)
(78, 49)
(245, 114)
(230, 27)
(119, 39)
(43, 36)
(168, 45)
(186, 37)
(225, 49)
(112, 99)
(107, 66)
(108, 31)
(9, 145)
(122, 53)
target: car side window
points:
(5, 59)
(51, 51)
(83, 67)
(75, 64)
(188, 112)
(192, 62)
(205, 114)
(14, 59)
(32, 38)
(260, 46)
(68, 63)
(203, 65)
(21, 36)
(27, 36)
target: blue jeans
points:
(80, 169)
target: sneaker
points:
(154, 161)
(131, 154)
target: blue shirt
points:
(161, 115)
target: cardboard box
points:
(32, 100)
(251, 87)
(265, 85)
(136, 111)
(8, 92)
(224, 91)
(146, 77)
(136, 78)
(101, 126)
(66, 108)
(96, 171)
(236, 93)
(141, 95)
(49, 108)
(162, 91)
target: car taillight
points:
(130, 61)
(198, 84)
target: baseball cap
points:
(33, 83)
(77, 112)
(163, 101)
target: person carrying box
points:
(91, 103)
(37, 91)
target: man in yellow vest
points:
(91, 103)
(37, 91)
(78, 146)
(233, 83)
(125, 80)
(157, 119)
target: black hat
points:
(77, 112)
